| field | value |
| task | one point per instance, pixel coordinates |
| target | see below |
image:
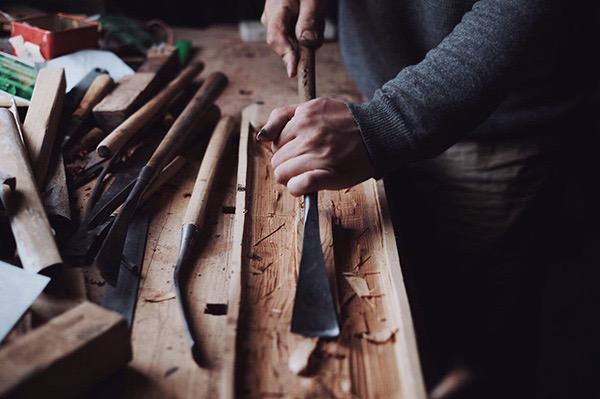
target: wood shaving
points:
(300, 356)
(359, 285)
(159, 297)
(380, 337)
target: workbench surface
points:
(162, 365)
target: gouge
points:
(109, 255)
(193, 222)
(314, 313)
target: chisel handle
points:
(196, 210)
(186, 122)
(139, 119)
(306, 74)
(97, 91)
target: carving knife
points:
(314, 313)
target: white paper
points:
(18, 290)
(78, 64)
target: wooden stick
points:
(196, 211)
(29, 223)
(126, 130)
(41, 123)
(65, 356)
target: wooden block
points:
(43, 117)
(35, 241)
(133, 91)
(65, 356)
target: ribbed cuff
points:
(384, 133)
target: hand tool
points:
(193, 222)
(18, 290)
(107, 259)
(35, 241)
(65, 356)
(314, 313)
(75, 123)
(149, 111)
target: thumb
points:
(308, 182)
(309, 28)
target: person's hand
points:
(317, 146)
(290, 22)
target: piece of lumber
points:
(35, 241)
(65, 356)
(135, 90)
(139, 119)
(43, 116)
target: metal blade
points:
(122, 298)
(18, 290)
(314, 313)
(185, 261)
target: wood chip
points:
(300, 356)
(380, 337)
(359, 285)
(159, 297)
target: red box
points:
(57, 34)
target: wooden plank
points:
(35, 242)
(66, 355)
(135, 90)
(43, 116)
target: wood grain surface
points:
(377, 329)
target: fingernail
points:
(308, 36)
(261, 133)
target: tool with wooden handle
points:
(193, 222)
(139, 119)
(109, 255)
(35, 241)
(75, 124)
(314, 313)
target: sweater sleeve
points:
(428, 106)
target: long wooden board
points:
(376, 354)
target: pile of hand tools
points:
(124, 141)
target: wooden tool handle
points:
(96, 92)
(306, 74)
(196, 210)
(29, 223)
(185, 123)
(139, 119)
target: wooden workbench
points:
(162, 365)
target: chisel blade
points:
(122, 298)
(314, 313)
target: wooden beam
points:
(133, 91)
(41, 123)
(66, 355)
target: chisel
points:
(194, 219)
(314, 313)
(108, 257)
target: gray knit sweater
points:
(439, 71)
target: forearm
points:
(428, 106)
